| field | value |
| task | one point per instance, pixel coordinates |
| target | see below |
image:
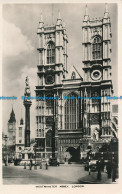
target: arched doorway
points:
(75, 154)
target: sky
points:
(20, 42)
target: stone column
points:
(27, 105)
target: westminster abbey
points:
(67, 127)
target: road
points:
(64, 174)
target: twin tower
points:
(77, 120)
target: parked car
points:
(53, 162)
(17, 162)
(92, 165)
(10, 160)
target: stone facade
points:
(20, 139)
(73, 123)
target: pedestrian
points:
(30, 164)
(114, 169)
(99, 168)
(109, 169)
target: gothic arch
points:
(96, 47)
(49, 138)
(71, 92)
(95, 36)
(71, 112)
(50, 52)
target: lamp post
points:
(35, 146)
(81, 146)
(89, 156)
(6, 138)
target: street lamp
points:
(6, 161)
(81, 146)
(89, 155)
(35, 146)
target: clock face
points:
(10, 126)
(50, 79)
(96, 74)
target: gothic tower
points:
(12, 129)
(97, 76)
(27, 103)
(52, 69)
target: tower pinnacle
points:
(41, 22)
(41, 18)
(86, 16)
(59, 15)
(12, 116)
(86, 10)
(59, 20)
(106, 8)
(106, 13)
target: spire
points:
(106, 8)
(59, 15)
(21, 120)
(86, 10)
(106, 13)
(41, 22)
(59, 20)
(12, 116)
(41, 18)
(86, 16)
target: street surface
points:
(64, 174)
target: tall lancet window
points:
(50, 53)
(71, 109)
(97, 48)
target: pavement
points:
(64, 174)
(92, 179)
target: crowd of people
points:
(110, 167)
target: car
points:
(17, 162)
(53, 162)
(10, 160)
(92, 164)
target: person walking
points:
(99, 168)
(30, 164)
(109, 169)
(114, 169)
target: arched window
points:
(50, 53)
(73, 75)
(97, 48)
(72, 112)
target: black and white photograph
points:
(60, 93)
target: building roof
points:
(12, 117)
(73, 72)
